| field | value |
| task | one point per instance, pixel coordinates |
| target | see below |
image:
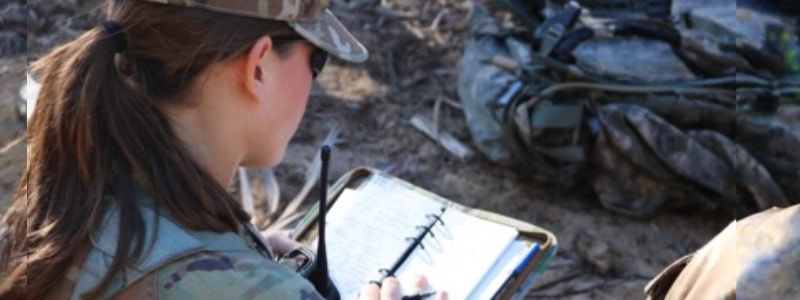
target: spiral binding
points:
(424, 231)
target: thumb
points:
(390, 289)
(370, 292)
(443, 295)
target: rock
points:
(594, 251)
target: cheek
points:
(298, 89)
(282, 117)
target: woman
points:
(139, 127)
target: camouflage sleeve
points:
(753, 258)
(211, 275)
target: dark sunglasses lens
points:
(318, 59)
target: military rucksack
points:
(687, 117)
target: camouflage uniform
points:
(232, 274)
(755, 258)
(183, 264)
(178, 263)
(210, 275)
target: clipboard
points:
(515, 288)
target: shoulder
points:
(215, 275)
(767, 246)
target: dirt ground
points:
(414, 49)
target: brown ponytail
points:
(98, 122)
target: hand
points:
(280, 241)
(390, 290)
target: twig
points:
(416, 32)
(437, 20)
(68, 31)
(272, 190)
(285, 222)
(437, 108)
(312, 174)
(416, 78)
(560, 262)
(605, 283)
(438, 38)
(570, 276)
(452, 103)
(11, 144)
(447, 141)
(381, 21)
(389, 167)
(246, 192)
(388, 12)
(442, 72)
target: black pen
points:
(420, 296)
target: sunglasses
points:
(318, 58)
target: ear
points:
(252, 67)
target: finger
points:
(443, 295)
(390, 289)
(278, 233)
(280, 241)
(370, 292)
(420, 284)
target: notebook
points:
(465, 252)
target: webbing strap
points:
(565, 116)
(566, 153)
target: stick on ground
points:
(447, 141)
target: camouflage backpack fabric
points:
(649, 114)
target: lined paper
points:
(367, 230)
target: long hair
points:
(97, 129)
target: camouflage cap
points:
(309, 18)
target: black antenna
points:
(319, 276)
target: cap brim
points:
(327, 32)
